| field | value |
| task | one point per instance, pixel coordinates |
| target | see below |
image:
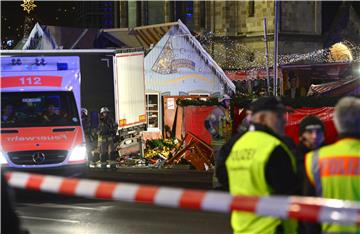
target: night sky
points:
(66, 13)
(51, 13)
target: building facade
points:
(99, 14)
(233, 31)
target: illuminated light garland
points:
(231, 54)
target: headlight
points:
(78, 153)
(2, 158)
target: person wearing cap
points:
(334, 170)
(219, 125)
(311, 137)
(259, 163)
(311, 134)
(106, 132)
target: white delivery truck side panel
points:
(129, 89)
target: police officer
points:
(339, 176)
(106, 133)
(311, 137)
(219, 125)
(259, 163)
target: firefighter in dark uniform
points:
(106, 134)
(89, 139)
(86, 125)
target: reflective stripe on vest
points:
(246, 172)
(316, 172)
(335, 171)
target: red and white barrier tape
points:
(301, 208)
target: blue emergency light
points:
(41, 61)
(15, 61)
(62, 66)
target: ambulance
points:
(40, 112)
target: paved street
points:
(48, 213)
(116, 217)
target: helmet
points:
(104, 109)
(84, 111)
(224, 97)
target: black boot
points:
(103, 159)
(113, 157)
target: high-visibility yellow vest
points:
(335, 172)
(226, 126)
(246, 172)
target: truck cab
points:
(40, 112)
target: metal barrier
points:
(300, 208)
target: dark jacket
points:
(107, 127)
(306, 189)
(86, 124)
(10, 223)
(243, 127)
(288, 93)
(278, 170)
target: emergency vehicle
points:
(40, 112)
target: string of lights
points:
(229, 53)
(232, 55)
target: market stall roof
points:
(39, 38)
(88, 38)
(318, 70)
(337, 88)
(45, 37)
(54, 37)
(143, 36)
(309, 66)
(122, 37)
(175, 50)
(244, 75)
(322, 71)
(73, 38)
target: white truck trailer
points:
(112, 78)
